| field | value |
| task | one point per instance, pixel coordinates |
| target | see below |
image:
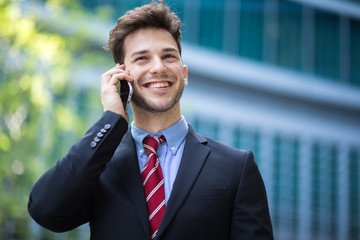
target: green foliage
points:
(43, 109)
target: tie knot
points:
(151, 144)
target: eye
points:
(170, 56)
(141, 58)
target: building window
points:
(211, 23)
(326, 45)
(354, 159)
(290, 35)
(251, 29)
(355, 52)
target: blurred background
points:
(278, 77)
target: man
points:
(176, 185)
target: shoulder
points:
(223, 160)
(219, 149)
(226, 151)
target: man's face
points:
(153, 60)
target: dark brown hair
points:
(153, 15)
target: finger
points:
(117, 74)
(122, 66)
(105, 77)
(115, 78)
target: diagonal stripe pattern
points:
(153, 182)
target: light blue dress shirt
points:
(169, 153)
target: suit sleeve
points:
(61, 199)
(251, 218)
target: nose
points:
(157, 66)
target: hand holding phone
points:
(111, 87)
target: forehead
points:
(149, 39)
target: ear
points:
(185, 73)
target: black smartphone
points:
(126, 92)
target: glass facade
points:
(355, 51)
(354, 159)
(326, 55)
(211, 22)
(290, 36)
(251, 29)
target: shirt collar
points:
(174, 135)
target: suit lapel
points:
(127, 164)
(193, 159)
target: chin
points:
(156, 105)
(159, 108)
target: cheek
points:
(177, 70)
(135, 74)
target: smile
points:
(158, 84)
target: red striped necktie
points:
(153, 182)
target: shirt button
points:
(96, 139)
(142, 150)
(107, 126)
(173, 148)
(103, 130)
(99, 134)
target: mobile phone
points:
(126, 92)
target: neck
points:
(154, 122)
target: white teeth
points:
(159, 85)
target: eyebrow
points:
(169, 49)
(139, 53)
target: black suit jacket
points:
(218, 192)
